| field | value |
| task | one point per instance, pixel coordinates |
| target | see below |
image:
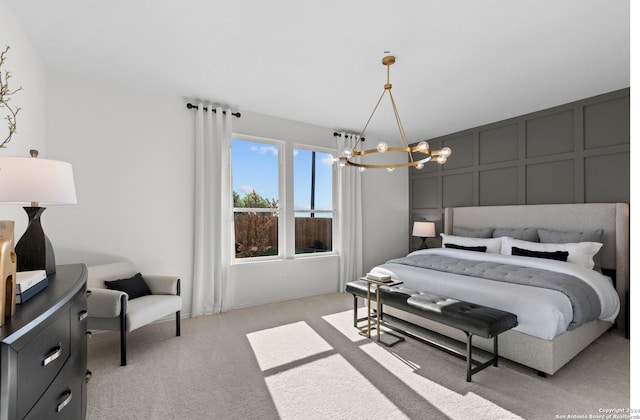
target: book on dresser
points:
(29, 284)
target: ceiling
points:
(459, 63)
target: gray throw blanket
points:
(584, 300)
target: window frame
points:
(286, 211)
(334, 202)
(281, 145)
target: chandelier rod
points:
(403, 135)
(369, 120)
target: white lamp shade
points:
(424, 229)
(26, 180)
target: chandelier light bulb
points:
(347, 152)
(441, 159)
(446, 152)
(423, 146)
(382, 147)
(420, 166)
(362, 169)
(391, 169)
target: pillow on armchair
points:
(134, 286)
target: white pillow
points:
(494, 245)
(580, 253)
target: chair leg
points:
(178, 313)
(123, 331)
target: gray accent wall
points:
(574, 153)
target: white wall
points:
(132, 156)
(28, 72)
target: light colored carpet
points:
(302, 359)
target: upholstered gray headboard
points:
(613, 218)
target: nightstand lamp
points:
(33, 182)
(424, 230)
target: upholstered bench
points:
(471, 318)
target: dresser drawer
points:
(40, 361)
(63, 399)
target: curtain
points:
(213, 211)
(350, 214)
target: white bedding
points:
(542, 313)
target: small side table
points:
(384, 339)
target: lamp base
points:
(424, 244)
(34, 250)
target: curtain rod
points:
(338, 134)
(191, 106)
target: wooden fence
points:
(257, 234)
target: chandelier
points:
(418, 155)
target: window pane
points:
(310, 195)
(254, 167)
(256, 234)
(313, 192)
(313, 234)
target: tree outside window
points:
(255, 175)
(256, 232)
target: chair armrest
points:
(104, 303)
(162, 285)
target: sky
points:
(255, 167)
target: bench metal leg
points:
(355, 311)
(472, 366)
(469, 358)
(422, 334)
(493, 361)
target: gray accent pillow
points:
(560, 237)
(524, 234)
(473, 233)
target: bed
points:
(551, 329)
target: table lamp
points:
(34, 182)
(424, 230)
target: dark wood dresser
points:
(43, 351)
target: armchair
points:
(112, 310)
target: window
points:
(313, 201)
(282, 199)
(256, 197)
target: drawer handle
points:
(83, 315)
(89, 292)
(89, 333)
(88, 376)
(67, 399)
(53, 355)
